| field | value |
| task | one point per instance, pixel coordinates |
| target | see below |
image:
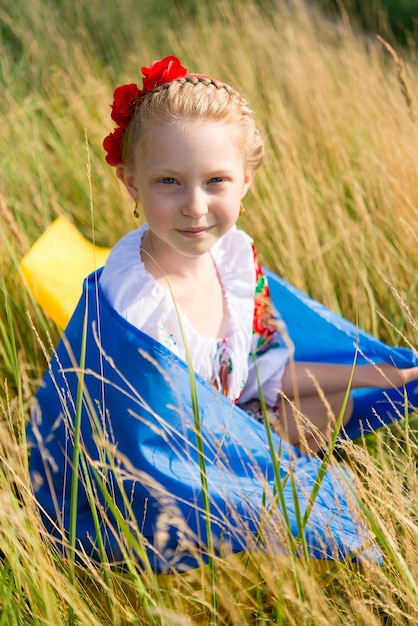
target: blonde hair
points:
(195, 98)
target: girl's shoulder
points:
(124, 276)
(235, 240)
(234, 259)
(233, 253)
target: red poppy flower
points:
(113, 146)
(161, 72)
(127, 97)
(125, 100)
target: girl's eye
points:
(217, 179)
(168, 180)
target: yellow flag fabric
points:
(56, 265)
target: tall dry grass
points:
(334, 210)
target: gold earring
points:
(135, 211)
(241, 209)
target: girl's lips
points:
(194, 232)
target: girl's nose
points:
(195, 204)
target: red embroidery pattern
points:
(265, 319)
(264, 329)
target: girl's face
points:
(190, 178)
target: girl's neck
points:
(167, 265)
(194, 284)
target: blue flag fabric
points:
(139, 473)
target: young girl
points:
(187, 148)
(117, 445)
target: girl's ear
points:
(125, 175)
(248, 179)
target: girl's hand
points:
(409, 374)
(395, 377)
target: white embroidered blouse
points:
(148, 305)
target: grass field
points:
(334, 210)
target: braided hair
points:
(191, 98)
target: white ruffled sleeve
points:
(135, 294)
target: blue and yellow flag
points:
(123, 403)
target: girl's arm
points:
(303, 379)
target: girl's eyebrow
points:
(169, 169)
